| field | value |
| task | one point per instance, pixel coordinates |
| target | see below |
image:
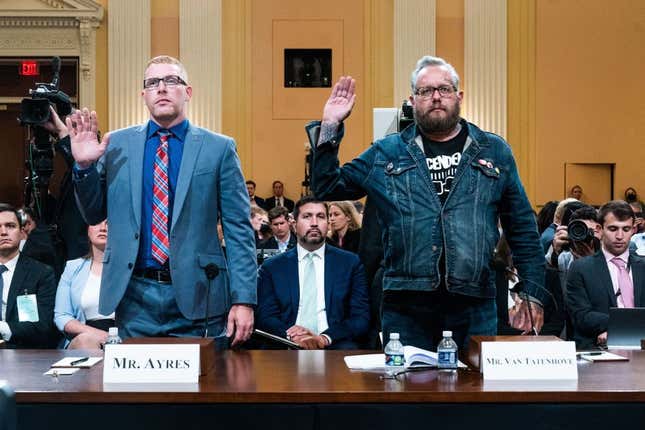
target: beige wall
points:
(574, 82)
(164, 28)
(590, 87)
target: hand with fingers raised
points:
(341, 101)
(86, 148)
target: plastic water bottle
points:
(113, 336)
(447, 352)
(394, 359)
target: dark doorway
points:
(13, 88)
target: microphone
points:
(211, 270)
(56, 71)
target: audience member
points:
(545, 217)
(76, 313)
(576, 248)
(278, 198)
(36, 240)
(576, 192)
(345, 227)
(560, 240)
(547, 235)
(314, 294)
(260, 224)
(632, 196)
(255, 200)
(282, 238)
(611, 278)
(27, 289)
(638, 239)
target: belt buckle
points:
(159, 275)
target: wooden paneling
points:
(279, 144)
(522, 42)
(590, 106)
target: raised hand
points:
(341, 101)
(82, 127)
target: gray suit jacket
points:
(590, 294)
(210, 186)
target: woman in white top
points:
(76, 312)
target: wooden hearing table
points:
(315, 390)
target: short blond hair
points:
(559, 211)
(167, 59)
(257, 210)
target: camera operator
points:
(72, 229)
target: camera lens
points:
(578, 231)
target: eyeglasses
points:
(169, 81)
(427, 92)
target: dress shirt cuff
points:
(5, 331)
(326, 336)
(80, 173)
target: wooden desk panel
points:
(314, 377)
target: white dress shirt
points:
(613, 272)
(90, 299)
(7, 276)
(282, 246)
(319, 266)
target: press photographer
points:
(59, 223)
(579, 237)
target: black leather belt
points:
(162, 276)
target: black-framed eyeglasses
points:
(169, 81)
(427, 92)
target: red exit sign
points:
(29, 68)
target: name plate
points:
(173, 363)
(529, 360)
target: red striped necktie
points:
(160, 200)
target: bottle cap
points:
(394, 336)
(113, 331)
(447, 333)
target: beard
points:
(430, 124)
(313, 240)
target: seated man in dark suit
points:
(28, 290)
(282, 238)
(37, 240)
(315, 294)
(613, 277)
(255, 200)
(278, 198)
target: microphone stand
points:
(211, 271)
(519, 289)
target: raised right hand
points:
(341, 101)
(83, 127)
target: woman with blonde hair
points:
(345, 225)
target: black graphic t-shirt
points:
(442, 159)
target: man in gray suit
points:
(163, 186)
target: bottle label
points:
(447, 359)
(394, 360)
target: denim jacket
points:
(416, 228)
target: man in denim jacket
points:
(439, 187)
